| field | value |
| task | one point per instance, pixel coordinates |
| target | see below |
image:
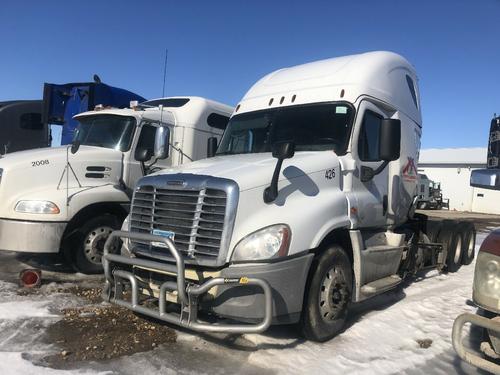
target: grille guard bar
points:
(188, 294)
(469, 356)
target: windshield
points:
(312, 127)
(109, 131)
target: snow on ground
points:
(381, 338)
(22, 321)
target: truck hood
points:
(254, 170)
(41, 174)
(55, 155)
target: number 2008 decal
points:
(330, 173)
(39, 163)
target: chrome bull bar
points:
(187, 293)
(459, 347)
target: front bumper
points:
(493, 328)
(30, 236)
(188, 295)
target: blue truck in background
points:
(26, 124)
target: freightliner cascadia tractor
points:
(305, 207)
(70, 198)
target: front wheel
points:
(89, 243)
(329, 292)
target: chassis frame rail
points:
(187, 293)
(469, 356)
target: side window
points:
(369, 137)
(147, 137)
(411, 86)
(31, 121)
(217, 121)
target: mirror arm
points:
(143, 168)
(381, 167)
(153, 163)
(368, 173)
(271, 192)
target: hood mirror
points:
(281, 151)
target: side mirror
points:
(143, 154)
(485, 178)
(283, 150)
(75, 145)
(211, 147)
(390, 139)
(162, 146)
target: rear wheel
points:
(451, 240)
(88, 244)
(468, 233)
(433, 229)
(329, 292)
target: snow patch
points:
(14, 364)
(17, 310)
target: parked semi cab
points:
(303, 209)
(70, 198)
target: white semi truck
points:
(70, 198)
(306, 207)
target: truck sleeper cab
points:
(303, 209)
(71, 198)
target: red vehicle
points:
(486, 286)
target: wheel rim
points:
(458, 251)
(472, 243)
(93, 244)
(333, 294)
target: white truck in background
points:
(430, 196)
(70, 198)
(305, 208)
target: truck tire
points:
(468, 233)
(451, 240)
(327, 295)
(89, 243)
(432, 230)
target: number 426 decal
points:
(330, 173)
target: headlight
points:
(37, 207)
(266, 243)
(486, 289)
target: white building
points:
(452, 167)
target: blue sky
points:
(218, 49)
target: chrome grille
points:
(195, 216)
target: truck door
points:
(371, 195)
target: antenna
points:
(164, 73)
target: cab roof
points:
(186, 109)
(383, 75)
